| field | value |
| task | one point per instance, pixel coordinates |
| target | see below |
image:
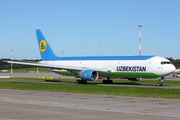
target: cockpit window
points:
(165, 62)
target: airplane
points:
(177, 71)
(133, 68)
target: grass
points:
(122, 81)
(29, 69)
(116, 81)
(95, 89)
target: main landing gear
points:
(160, 81)
(108, 81)
(81, 81)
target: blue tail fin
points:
(45, 49)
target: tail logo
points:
(42, 46)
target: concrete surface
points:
(34, 105)
(35, 75)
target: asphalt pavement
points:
(35, 105)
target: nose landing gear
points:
(160, 81)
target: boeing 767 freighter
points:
(90, 68)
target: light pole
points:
(140, 39)
(11, 61)
(37, 66)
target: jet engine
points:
(134, 79)
(89, 75)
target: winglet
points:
(45, 50)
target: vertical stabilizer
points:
(45, 50)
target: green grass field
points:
(95, 89)
(124, 81)
(160, 92)
(116, 81)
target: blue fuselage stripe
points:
(103, 58)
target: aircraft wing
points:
(177, 71)
(69, 68)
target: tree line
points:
(175, 62)
(4, 65)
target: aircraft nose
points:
(172, 68)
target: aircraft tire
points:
(78, 81)
(107, 82)
(81, 82)
(84, 82)
(160, 84)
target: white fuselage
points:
(153, 65)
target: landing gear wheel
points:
(81, 82)
(78, 81)
(111, 82)
(160, 83)
(107, 82)
(103, 81)
(84, 81)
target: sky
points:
(90, 27)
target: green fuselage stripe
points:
(130, 75)
(65, 73)
(117, 74)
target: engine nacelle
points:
(89, 75)
(134, 79)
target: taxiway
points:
(28, 105)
